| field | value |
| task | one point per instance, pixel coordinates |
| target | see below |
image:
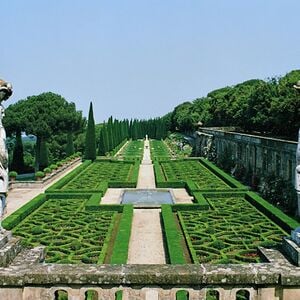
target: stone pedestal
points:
(292, 250)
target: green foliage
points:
(120, 249)
(13, 174)
(39, 174)
(18, 155)
(230, 232)
(173, 236)
(46, 116)
(119, 295)
(70, 144)
(63, 181)
(90, 138)
(182, 295)
(70, 234)
(254, 105)
(272, 212)
(47, 170)
(19, 215)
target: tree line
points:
(268, 106)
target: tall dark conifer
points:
(90, 138)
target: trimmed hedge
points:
(93, 201)
(200, 199)
(173, 184)
(119, 295)
(187, 207)
(272, 212)
(182, 295)
(59, 184)
(20, 214)
(232, 182)
(172, 235)
(106, 207)
(120, 249)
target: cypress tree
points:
(101, 147)
(70, 144)
(90, 138)
(44, 159)
(17, 163)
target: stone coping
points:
(28, 268)
(231, 132)
(142, 275)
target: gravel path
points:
(146, 241)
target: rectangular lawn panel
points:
(184, 170)
(101, 171)
(230, 232)
(159, 149)
(70, 234)
(134, 149)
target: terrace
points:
(224, 244)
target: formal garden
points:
(225, 224)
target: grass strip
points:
(172, 235)
(120, 249)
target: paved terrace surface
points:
(17, 197)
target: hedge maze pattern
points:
(159, 149)
(70, 234)
(98, 172)
(134, 149)
(230, 232)
(192, 170)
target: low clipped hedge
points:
(120, 249)
(171, 184)
(182, 295)
(172, 235)
(20, 214)
(201, 201)
(119, 295)
(275, 214)
(93, 201)
(59, 184)
(233, 183)
(187, 207)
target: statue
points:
(297, 172)
(5, 93)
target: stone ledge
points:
(248, 274)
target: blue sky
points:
(142, 58)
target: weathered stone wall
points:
(27, 277)
(259, 155)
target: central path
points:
(146, 179)
(146, 241)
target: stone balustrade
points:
(28, 277)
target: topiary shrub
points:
(53, 166)
(39, 174)
(12, 174)
(47, 170)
